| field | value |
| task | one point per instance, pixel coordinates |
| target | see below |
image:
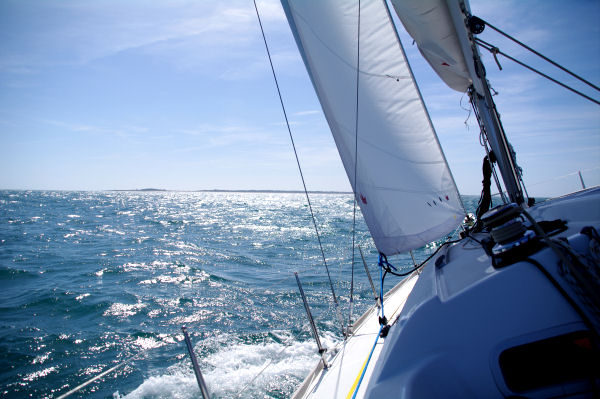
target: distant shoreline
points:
(238, 191)
(161, 190)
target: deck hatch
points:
(558, 360)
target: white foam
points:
(232, 366)
(177, 386)
(148, 343)
(123, 310)
(41, 358)
(39, 374)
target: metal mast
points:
(495, 135)
(489, 119)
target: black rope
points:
(542, 56)
(586, 320)
(485, 200)
(383, 262)
(564, 293)
(387, 267)
(494, 50)
(483, 141)
(486, 197)
(300, 170)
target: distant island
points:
(143, 189)
(274, 191)
(240, 191)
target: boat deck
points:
(461, 314)
(351, 356)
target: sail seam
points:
(342, 59)
(383, 150)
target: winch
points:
(513, 241)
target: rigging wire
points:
(495, 50)
(103, 373)
(355, 167)
(563, 176)
(337, 306)
(86, 383)
(541, 55)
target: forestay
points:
(403, 185)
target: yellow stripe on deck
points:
(354, 386)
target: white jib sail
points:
(403, 185)
(438, 28)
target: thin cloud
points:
(127, 132)
(306, 113)
(97, 31)
(78, 127)
(219, 136)
(594, 150)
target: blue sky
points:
(179, 95)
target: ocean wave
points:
(123, 284)
(257, 365)
(7, 273)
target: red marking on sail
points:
(447, 198)
(583, 343)
(363, 199)
(445, 64)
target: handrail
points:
(322, 350)
(201, 383)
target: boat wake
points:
(237, 367)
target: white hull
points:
(349, 357)
(451, 323)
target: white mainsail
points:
(403, 185)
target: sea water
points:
(91, 280)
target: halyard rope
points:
(355, 167)
(337, 306)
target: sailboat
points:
(512, 308)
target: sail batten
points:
(403, 185)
